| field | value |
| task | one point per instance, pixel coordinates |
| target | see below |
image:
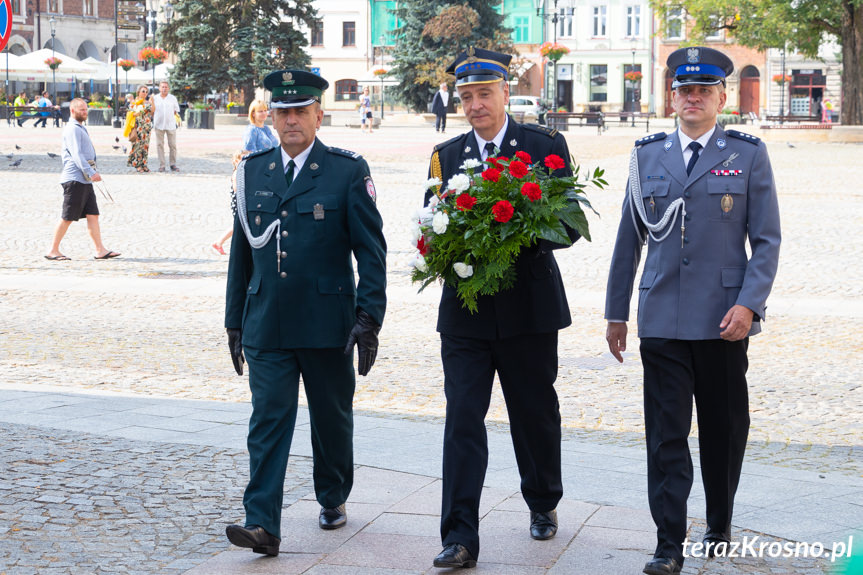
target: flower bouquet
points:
(53, 62)
(780, 79)
(126, 64)
(379, 72)
(475, 227)
(633, 76)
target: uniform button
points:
(688, 217)
(340, 288)
(285, 234)
(283, 274)
(685, 262)
(686, 194)
(283, 255)
(685, 239)
(284, 213)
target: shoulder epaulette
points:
(258, 153)
(443, 145)
(743, 136)
(550, 132)
(651, 138)
(343, 152)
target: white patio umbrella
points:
(31, 67)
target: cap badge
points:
(692, 55)
(471, 55)
(287, 79)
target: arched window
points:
(749, 72)
(347, 90)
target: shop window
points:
(598, 83)
(347, 90)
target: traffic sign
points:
(5, 22)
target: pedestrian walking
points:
(79, 170)
(139, 124)
(513, 333)
(700, 296)
(366, 116)
(439, 107)
(166, 110)
(300, 313)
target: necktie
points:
(489, 150)
(695, 147)
(289, 175)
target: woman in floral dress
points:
(139, 120)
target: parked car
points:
(531, 106)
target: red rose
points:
(518, 169)
(502, 211)
(554, 162)
(524, 157)
(422, 246)
(532, 191)
(491, 175)
(465, 201)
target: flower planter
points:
(99, 116)
(201, 119)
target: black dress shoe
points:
(543, 525)
(662, 566)
(333, 517)
(253, 537)
(716, 543)
(455, 555)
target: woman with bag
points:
(139, 123)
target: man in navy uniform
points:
(513, 333)
(700, 296)
(293, 307)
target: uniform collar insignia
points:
(272, 166)
(721, 143)
(467, 149)
(668, 144)
(513, 142)
(313, 166)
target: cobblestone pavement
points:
(84, 504)
(162, 334)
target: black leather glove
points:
(365, 335)
(235, 344)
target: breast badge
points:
(318, 211)
(727, 203)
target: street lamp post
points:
(633, 84)
(540, 11)
(782, 91)
(382, 40)
(53, 24)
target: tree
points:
(432, 34)
(223, 43)
(801, 25)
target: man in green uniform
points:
(294, 308)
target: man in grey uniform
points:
(700, 297)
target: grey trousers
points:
(172, 146)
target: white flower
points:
(462, 270)
(433, 201)
(419, 263)
(440, 222)
(416, 231)
(432, 183)
(423, 216)
(471, 164)
(459, 183)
